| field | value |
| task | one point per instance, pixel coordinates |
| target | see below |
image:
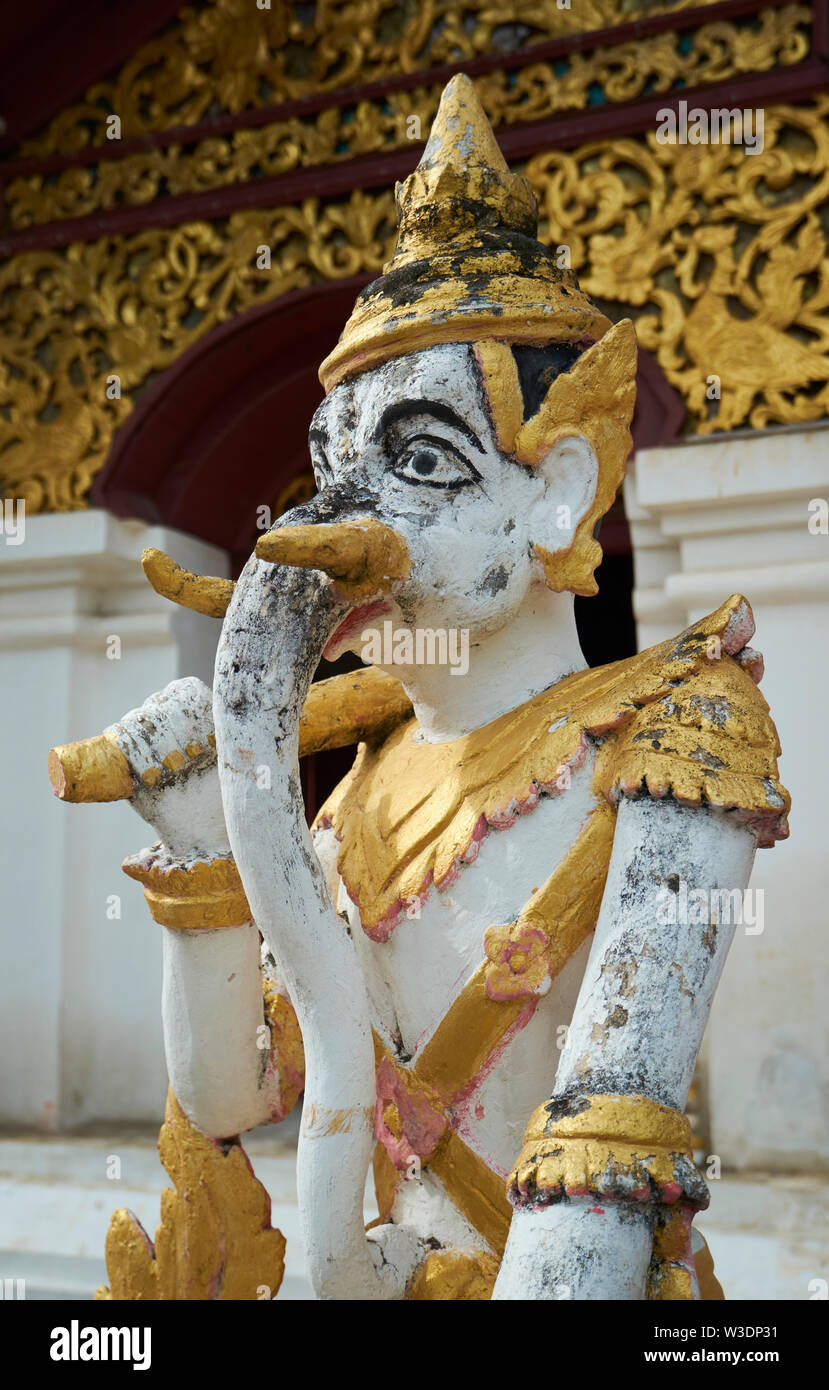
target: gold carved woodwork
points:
(230, 56)
(215, 1240)
(130, 306)
(721, 260)
(714, 52)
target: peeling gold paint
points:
(457, 252)
(201, 593)
(93, 769)
(456, 1275)
(629, 1137)
(360, 705)
(287, 1048)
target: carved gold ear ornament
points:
(202, 593)
(595, 400)
(363, 557)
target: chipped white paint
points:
(636, 1030)
(732, 513)
(576, 1251)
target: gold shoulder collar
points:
(706, 737)
(683, 718)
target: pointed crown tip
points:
(461, 134)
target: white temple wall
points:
(80, 1024)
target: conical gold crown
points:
(468, 264)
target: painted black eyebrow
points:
(403, 410)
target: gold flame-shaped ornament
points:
(468, 264)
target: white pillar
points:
(708, 519)
(80, 991)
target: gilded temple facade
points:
(182, 240)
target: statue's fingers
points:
(169, 730)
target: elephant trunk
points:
(274, 633)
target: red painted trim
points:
(820, 29)
(339, 98)
(373, 171)
(73, 45)
(382, 171)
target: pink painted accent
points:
(753, 662)
(600, 1211)
(422, 1123)
(353, 621)
(383, 929)
(738, 630)
(479, 1111)
(670, 1192)
(581, 1191)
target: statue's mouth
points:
(354, 622)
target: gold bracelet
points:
(205, 894)
(610, 1146)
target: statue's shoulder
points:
(686, 719)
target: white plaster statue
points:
(496, 875)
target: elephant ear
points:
(594, 399)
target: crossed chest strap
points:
(415, 1118)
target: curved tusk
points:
(201, 593)
(363, 557)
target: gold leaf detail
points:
(215, 1240)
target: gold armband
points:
(623, 1147)
(205, 894)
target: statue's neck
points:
(533, 652)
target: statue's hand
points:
(170, 747)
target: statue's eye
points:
(433, 462)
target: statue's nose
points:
(364, 557)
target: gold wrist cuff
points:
(623, 1147)
(203, 895)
